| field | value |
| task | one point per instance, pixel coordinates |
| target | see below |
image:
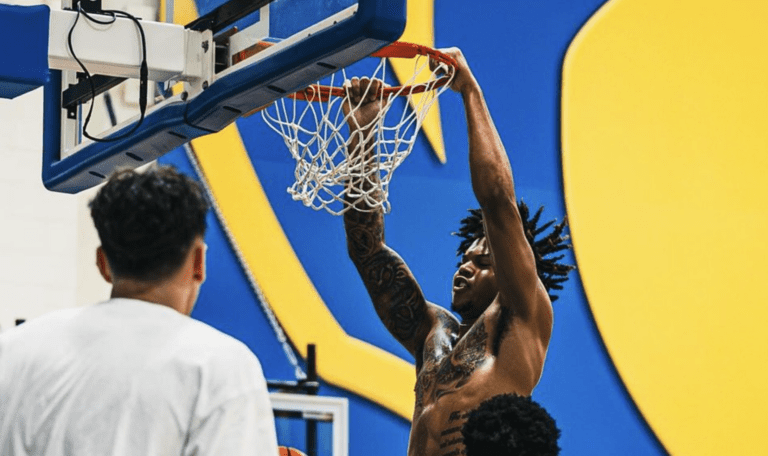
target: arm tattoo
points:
(395, 294)
(365, 233)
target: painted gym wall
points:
(44, 237)
(298, 257)
(646, 130)
(632, 117)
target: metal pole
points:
(311, 423)
(169, 11)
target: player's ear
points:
(103, 265)
(198, 261)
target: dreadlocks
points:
(551, 273)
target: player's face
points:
(474, 284)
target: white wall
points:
(47, 240)
(44, 236)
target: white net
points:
(328, 174)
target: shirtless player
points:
(506, 313)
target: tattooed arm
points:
(396, 295)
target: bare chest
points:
(454, 381)
(446, 389)
(437, 431)
(447, 374)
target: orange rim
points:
(398, 49)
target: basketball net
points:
(314, 127)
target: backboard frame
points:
(205, 108)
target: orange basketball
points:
(286, 451)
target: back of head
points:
(510, 425)
(148, 221)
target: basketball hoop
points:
(314, 128)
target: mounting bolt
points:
(205, 85)
(205, 46)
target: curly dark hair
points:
(551, 273)
(148, 221)
(510, 425)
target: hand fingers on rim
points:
(433, 64)
(439, 68)
(354, 90)
(365, 87)
(373, 92)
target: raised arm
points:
(396, 295)
(513, 261)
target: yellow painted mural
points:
(420, 29)
(665, 163)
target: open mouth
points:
(460, 282)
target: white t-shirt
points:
(128, 377)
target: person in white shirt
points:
(135, 375)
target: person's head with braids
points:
(510, 425)
(151, 226)
(544, 246)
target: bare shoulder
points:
(442, 319)
(441, 338)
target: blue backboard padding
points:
(376, 23)
(284, 20)
(160, 132)
(23, 67)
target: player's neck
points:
(164, 293)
